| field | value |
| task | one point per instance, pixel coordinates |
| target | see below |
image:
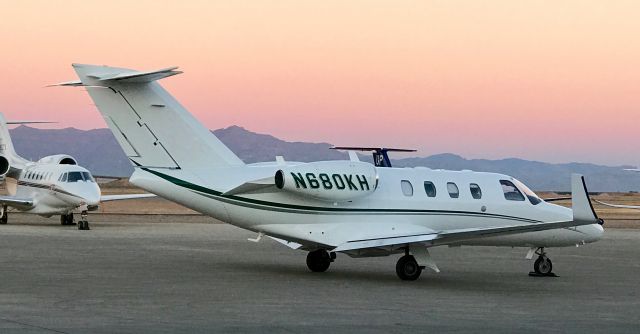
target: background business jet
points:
(53, 185)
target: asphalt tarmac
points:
(146, 277)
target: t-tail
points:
(152, 128)
(7, 151)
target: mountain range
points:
(98, 151)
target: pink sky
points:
(554, 81)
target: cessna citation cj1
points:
(327, 207)
(54, 185)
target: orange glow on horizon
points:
(545, 80)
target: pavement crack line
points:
(34, 326)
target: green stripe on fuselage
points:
(249, 202)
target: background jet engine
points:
(59, 159)
(335, 181)
(4, 166)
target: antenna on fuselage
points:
(380, 154)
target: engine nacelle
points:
(59, 159)
(4, 166)
(335, 181)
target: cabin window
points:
(510, 191)
(75, 177)
(453, 190)
(88, 177)
(407, 188)
(430, 188)
(476, 192)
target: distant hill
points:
(98, 151)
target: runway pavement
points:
(207, 278)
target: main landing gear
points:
(4, 215)
(542, 266)
(408, 269)
(67, 219)
(319, 260)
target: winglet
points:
(581, 203)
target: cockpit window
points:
(88, 177)
(511, 192)
(75, 177)
(533, 198)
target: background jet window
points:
(75, 177)
(510, 191)
(452, 188)
(64, 177)
(407, 188)
(476, 192)
(430, 188)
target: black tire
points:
(86, 225)
(63, 219)
(318, 260)
(543, 266)
(408, 269)
(5, 218)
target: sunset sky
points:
(555, 81)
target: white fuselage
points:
(54, 188)
(387, 211)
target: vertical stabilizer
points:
(6, 144)
(152, 128)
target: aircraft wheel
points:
(408, 269)
(5, 219)
(83, 225)
(543, 266)
(318, 260)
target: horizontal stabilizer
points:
(74, 83)
(29, 122)
(136, 76)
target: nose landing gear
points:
(542, 267)
(83, 224)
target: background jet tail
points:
(6, 144)
(152, 128)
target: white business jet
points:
(327, 207)
(53, 185)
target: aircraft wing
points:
(16, 202)
(108, 198)
(618, 205)
(583, 214)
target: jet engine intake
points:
(59, 159)
(4, 166)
